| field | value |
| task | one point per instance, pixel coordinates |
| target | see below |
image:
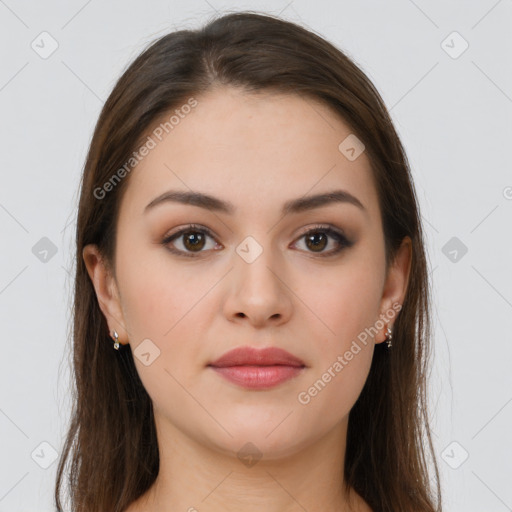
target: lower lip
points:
(258, 377)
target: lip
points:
(261, 368)
(270, 356)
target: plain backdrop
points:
(444, 71)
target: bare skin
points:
(256, 152)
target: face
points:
(311, 281)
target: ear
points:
(106, 291)
(395, 287)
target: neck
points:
(195, 477)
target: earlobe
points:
(106, 291)
(395, 287)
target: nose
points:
(258, 292)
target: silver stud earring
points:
(389, 335)
(115, 336)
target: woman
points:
(251, 321)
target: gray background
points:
(453, 112)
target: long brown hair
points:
(111, 444)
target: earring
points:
(115, 336)
(389, 335)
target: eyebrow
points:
(212, 203)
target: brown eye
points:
(316, 241)
(318, 238)
(189, 241)
(193, 240)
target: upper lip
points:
(269, 356)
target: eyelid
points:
(344, 242)
(189, 227)
(168, 238)
(321, 227)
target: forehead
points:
(250, 149)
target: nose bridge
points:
(257, 290)
(254, 263)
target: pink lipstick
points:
(254, 368)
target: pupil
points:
(314, 238)
(198, 237)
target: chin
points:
(260, 441)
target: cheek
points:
(155, 294)
(345, 301)
(152, 304)
(161, 304)
(171, 306)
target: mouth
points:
(258, 368)
(258, 377)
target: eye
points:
(192, 239)
(317, 239)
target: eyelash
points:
(338, 236)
